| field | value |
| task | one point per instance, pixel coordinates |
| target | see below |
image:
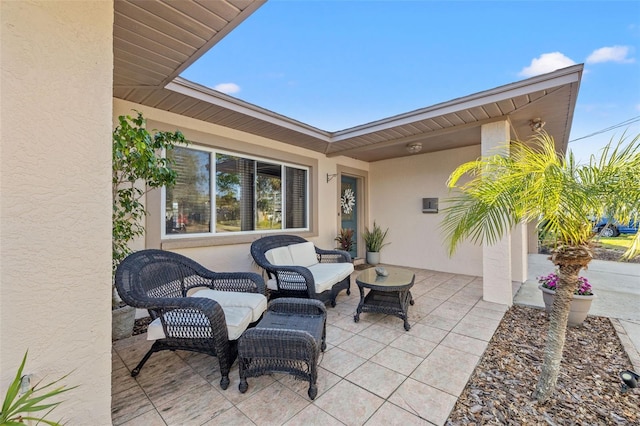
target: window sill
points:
(224, 240)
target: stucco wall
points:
(55, 210)
(236, 257)
(396, 191)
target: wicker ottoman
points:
(288, 339)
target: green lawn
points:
(621, 242)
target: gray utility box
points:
(429, 205)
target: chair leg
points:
(243, 386)
(136, 370)
(224, 381)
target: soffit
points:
(154, 41)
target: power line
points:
(608, 129)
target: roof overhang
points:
(151, 79)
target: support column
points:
(496, 258)
(519, 248)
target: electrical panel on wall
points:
(429, 205)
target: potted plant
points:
(138, 165)
(535, 183)
(580, 304)
(374, 241)
(345, 239)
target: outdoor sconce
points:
(429, 205)
(414, 148)
(536, 124)
(629, 379)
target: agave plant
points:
(374, 238)
(17, 407)
(536, 184)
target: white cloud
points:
(610, 54)
(547, 62)
(227, 88)
(638, 107)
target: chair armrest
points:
(294, 278)
(333, 256)
(290, 305)
(191, 317)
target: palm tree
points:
(536, 184)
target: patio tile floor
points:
(373, 372)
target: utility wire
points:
(608, 129)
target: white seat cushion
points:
(327, 274)
(232, 299)
(240, 309)
(279, 256)
(237, 319)
(303, 254)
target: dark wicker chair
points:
(298, 281)
(159, 280)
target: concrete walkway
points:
(617, 287)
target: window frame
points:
(268, 151)
(212, 153)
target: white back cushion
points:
(279, 256)
(303, 254)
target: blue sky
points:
(339, 64)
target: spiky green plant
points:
(374, 238)
(18, 408)
(536, 184)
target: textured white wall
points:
(55, 210)
(397, 188)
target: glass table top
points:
(397, 277)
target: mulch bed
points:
(588, 389)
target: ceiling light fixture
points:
(414, 148)
(536, 124)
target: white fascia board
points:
(196, 91)
(535, 84)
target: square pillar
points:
(496, 258)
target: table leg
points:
(356, 317)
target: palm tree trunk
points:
(569, 261)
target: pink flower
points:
(551, 281)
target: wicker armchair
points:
(179, 295)
(322, 277)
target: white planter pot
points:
(373, 257)
(122, 321)
(578, 310)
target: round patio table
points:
(387, 294)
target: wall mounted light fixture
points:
(414, 147)
(536, 124)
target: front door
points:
(349, 209)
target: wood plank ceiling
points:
(154, 41)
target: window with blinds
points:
(221, 193)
